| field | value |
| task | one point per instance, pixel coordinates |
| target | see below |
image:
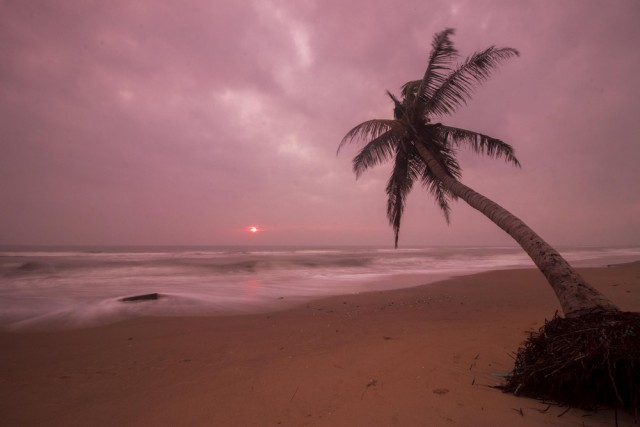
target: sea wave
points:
(38, 285)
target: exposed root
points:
(588, 362)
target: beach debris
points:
(294, 394)
(587, 362)
(141, 297)
(500, 374)
(387, 338)
(543, 411)
(475, 360)
(519, 410)
(371, 383)
(441, 391)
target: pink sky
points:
(147, 122)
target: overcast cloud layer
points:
(148, 122)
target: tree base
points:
(587, 362)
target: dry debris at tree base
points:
(588, 362)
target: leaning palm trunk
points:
(576, 296)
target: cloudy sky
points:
(184, 123)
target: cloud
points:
(145, 123)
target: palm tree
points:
(425, 151)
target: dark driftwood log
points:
(142, 297)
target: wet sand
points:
(425, 356)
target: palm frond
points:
(398, 187)
(377, 151)
(367, 131)
(432, 184)
(442, 197)
(479, 143)
(441, 150)
(409, 89)
(395, 100)
(439, 66)
(399, 108)
(457, 88)
(447, 157)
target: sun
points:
(253, 229)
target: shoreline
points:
(425, 355)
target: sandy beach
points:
(424, 356)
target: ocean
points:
(83, 286)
